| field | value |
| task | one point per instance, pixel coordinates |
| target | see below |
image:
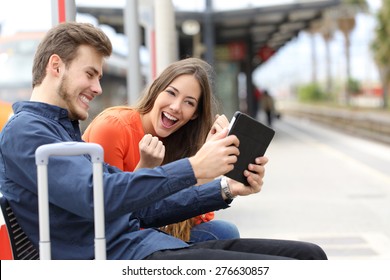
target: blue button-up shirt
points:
(144, 199)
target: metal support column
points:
(209, 33)
(166, 38)
(62, 10)
(132, 31)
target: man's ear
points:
(54, 64)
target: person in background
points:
(67, 69)
(172, 120)
(268, 106)
(256, 101)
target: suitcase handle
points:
(42, 155)
(43, 152)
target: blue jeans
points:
(214, 230)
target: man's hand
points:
(216, 157)
(254, 175)
(152, 152)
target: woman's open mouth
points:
(168, 120)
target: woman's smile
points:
(168, 120)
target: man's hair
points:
(65, 40)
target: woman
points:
(172, 120)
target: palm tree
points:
(346, 23)
(381, 48)
(327, 31)
(312, 30)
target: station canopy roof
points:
(266, 27)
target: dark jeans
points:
(244, 249)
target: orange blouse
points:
(119, 131)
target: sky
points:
(291, 65)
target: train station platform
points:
(369, 123)
(321, 185)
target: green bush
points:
(354, 86)
(311, 92)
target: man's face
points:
(80, 83)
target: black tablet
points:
(254, 137)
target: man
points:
(268, 105)
(66, 71)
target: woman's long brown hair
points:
(187, 140)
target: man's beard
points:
(64, 94)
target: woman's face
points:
(174, 107)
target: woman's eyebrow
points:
(186, 96)
(191, 97)
(174, 88)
